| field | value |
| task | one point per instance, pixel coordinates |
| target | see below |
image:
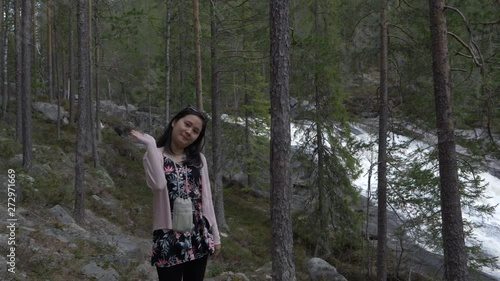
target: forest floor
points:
(114, 243)
(115, 239)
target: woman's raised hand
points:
(141, 137)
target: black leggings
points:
(191, 271)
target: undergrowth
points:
(120, 176)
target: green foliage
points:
(330, 180)
(334, 68)
(249, 221)
(340, 168)
(414, 190)
(9, 148)
(86, 248)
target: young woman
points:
(175, 167)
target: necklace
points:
(174, 157)
(179, 177)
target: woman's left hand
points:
(141, 137)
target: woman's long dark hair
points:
(193, 150)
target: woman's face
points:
(186, 130)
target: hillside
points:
(114, 243)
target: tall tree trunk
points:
(50, 48)
(27, 47)
(168, 5)
(150, 115)
(455, 260)
(84, 120)
(3, 32)
(7, 25)
(322, 241)
(57, 82)
(382, 150)
(109, 89)
(283, 265)
(57, 64)
(34, 53)
(71, 60)
(62, 76)
(197, 48)
(125, 100)
(216, 124)
(19, 69)
(235, 90)
(92, 116)
(97, 48)
(366, 239)
(182, 55)
(248, 131)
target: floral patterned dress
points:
(171, 247)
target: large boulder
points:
(112, 108)
(320, 270)
(50, 112)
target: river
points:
(489, 234)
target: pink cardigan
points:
(155, 178)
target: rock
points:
(148, 271)
(238, 180)
(92, 270)
(240, 277)
(494, 168)
(50, 111)
(111, 108)
(67, 235)
(3, 268)
(108, 204)
(61, 215)
(320, 270)
(125, 247)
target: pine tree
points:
(455, 260)
(282, 238)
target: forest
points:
(266, 73)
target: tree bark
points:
(197, 48)
(283, 265)
(71, 60)
(97, 48)
(216, 123)
(455, 260)
(3, 62)
(27, 47)
(91, 115)
(248, 132)
(168, 5)
(382, 150)
(82, 143)
(50, 49)
(182, 55)
(56, 76)
(19, 70)
(322, 241)
(7, 26)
